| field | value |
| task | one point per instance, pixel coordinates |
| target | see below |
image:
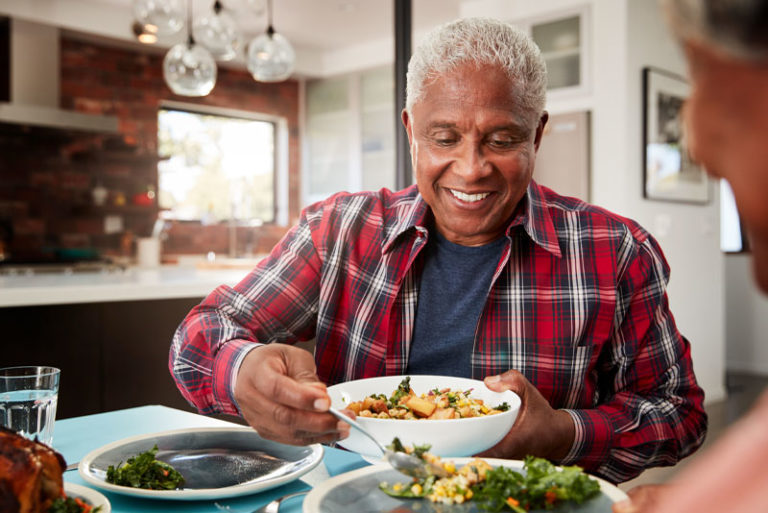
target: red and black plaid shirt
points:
(577, 304)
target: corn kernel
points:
(469, 494)
(416, 489)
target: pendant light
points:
(218, 33)
(161, 17)
(188, 68)
(270, 55)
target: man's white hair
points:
(481, 41)
(736, 27)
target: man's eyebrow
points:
(441, 125)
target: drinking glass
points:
(28, 397)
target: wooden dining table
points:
(75, 437)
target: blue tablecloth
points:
(76, 437)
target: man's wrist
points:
(565, 432)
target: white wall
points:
(689, 234)
(625, 36)
(746, 324)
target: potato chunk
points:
(421, 407)
(379, 406)
(443, 413)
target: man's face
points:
(727, 120)
(472, 152)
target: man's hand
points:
(643, 498)
(539, 429)
(281, 397)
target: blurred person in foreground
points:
(726, 45)
(475, 271)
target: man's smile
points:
(469, 198)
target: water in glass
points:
(28, 398)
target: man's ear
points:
(408, 126)
(540, 130)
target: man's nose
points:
(473, 163)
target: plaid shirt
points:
(577, 304)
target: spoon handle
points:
(336, 413)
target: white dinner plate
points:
(358, 492)
(216, 463)
(88, 495)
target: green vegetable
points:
(542, 487)
(418, 450)
(144, 471)
(502, 407)
(70, 505)
(406, 490)
(403, 389)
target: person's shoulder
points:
(600, 221)
(383, 200)
(353, 211)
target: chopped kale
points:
(144, 471)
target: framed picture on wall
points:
(668, 172)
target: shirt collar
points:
(533, 215)
(537, 221)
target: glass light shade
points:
(218, 33)
(161, 17)
(270, 57)
(189, 70)
(255, 7)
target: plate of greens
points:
(363, 491)
(80, 499)
(196, 464)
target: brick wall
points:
(47, 176)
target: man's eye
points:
(501, 143)
(444, 140)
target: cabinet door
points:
(136, 340)
(562, 163)
(564, 45)
(62, 336)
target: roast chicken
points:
(30, 474)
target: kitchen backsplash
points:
(63, 189)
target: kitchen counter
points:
(132, 284)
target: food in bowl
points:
(448, 437)
(541, 485)
(437, 404)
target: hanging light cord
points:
(190, 39)
(270, 29)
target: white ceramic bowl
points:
(453, 437)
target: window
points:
(216, 167)
(732, 239)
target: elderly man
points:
(476, 271)
(726, 43)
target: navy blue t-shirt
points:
(454, 286)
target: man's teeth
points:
(469, 197)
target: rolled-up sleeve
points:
(276, 302)
(650, 411)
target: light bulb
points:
(142, 34)
(218, 33)
(270, 57)
(161, 17)
(189, 70)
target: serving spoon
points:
(408, 464)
